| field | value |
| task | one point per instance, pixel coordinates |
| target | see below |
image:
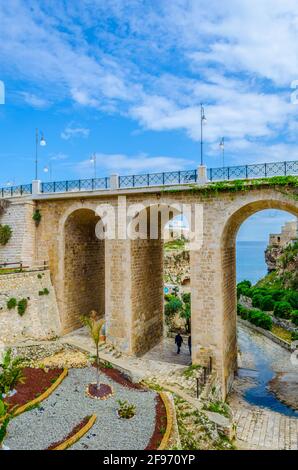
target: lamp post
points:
(203, 120)
(222, 147)
(38, 141)
(93, 160)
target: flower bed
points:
(37, 381)
(78, 431)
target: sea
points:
(251, 260)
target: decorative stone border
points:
(73, 439)
(169, 411)
(43, 396)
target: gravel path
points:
(69, 405)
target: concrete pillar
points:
(114, 182)
(36, 187)
(202, 175)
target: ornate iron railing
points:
(158, 179)
(21, 190)
(75, 185)
(259, 170)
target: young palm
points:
(94, 325)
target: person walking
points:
(178, 342)
(189, 344)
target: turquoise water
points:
(251, 261)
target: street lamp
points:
(93, 160)
(203, 121)
(222, 147)
(39, 140)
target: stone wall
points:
(41, 318)
(21, 246)
(84, 270)
(146, 294)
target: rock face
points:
(281, 255)
(176, 266)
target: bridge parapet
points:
(199, 176)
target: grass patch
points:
(282, 333)
(189, 372)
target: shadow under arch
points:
(147, 276)
(84, 268)
(228, 269)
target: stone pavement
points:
(262, 429)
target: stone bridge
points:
(123, 278)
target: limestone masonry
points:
(122, 278)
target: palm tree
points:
(94, 325)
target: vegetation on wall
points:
(22, 306)
(36, 216)
(45, 291)
(5, 234)
(11, 303)
(278, 182)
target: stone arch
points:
(147, 280)
(228, 270)
(82, 266)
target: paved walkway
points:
(262, 429)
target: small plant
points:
(22, 306)
(11, 303)
(94, 326)
(126, 410)
(45, 291)
(218, 407)
(36, 217)
(4, 420)
(10, 372)
(5, 234)
(39, 276)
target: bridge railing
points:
(21, 190)
(259, 170)
(75, 185)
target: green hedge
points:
(258, 318)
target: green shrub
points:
(11, 372)
(257, 300)
(292, 298)
(242, 311)
(294, 336)
(126, 410)
(243, 288)
(282, 309)
(294, 317)
(36, 216)
(173, 306)
(5, 234)
(45, 291)
(261, 319)
(186, 297)
(11, 303)
(267, 303)
(277, 294)
(22, 306)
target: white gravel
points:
(68, 406)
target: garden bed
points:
(36, 382)
(119, 378)
(160, 425)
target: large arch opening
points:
(229, 277)
(150, 287)
(84, 269)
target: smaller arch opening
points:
(84, 269)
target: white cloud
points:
(70, 132)
(34, 101)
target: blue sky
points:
(125, 79)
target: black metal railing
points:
(10, 191)
(158, 179)
(75, 185)
(259, 170)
